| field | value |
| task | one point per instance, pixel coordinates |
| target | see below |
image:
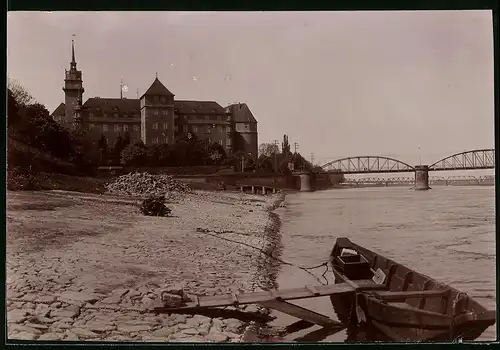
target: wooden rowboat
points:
(402, 304)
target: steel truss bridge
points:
(469, 160)
(433, 180)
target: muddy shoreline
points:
(70, 258)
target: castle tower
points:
(245, 137)
(157, 115)
(229, 135)
(73, 89)
(78, 117)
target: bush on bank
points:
(154, 205)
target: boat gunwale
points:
(344, 242)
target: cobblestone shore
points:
(85, 267)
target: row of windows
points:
(158, 139)
(116, 115)
(116, 127)
(164, 112)
(209, 129)
(157, 126)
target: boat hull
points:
(445, 314)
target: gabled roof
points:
(158, 89)
(198, 107)
(110, 105)
(60, 110)
(241, 113)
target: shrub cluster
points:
(154, 205)
(21, 179)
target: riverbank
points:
(83, 266)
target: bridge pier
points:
(421, 177)
(305, 182)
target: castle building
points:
(156, 117)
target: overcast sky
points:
(401, 84)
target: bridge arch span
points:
(468, 160)
(367, 164)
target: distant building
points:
(156, 117)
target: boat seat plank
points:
(401, 295)
(300, 312)
(259, 297)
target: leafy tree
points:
(153, 155)
(216, 153)
(265, 163)
(126, 140)
(268, 149)
(84, 152)
(283, 167)
(285, 146)
(12, 109)
(134, 154)
(102, 146)
(180, 153)
(118, 147)
(21, 95)
(165, 155)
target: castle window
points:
(221, 128)
(91, 126)
(105, 114)
(166, 139)
(115, 115)
(155, 126)
(219, 142)
(156, 139)
(165, 125)
(195, 128)
(104, 127)
(125, 127)
(125, 116)
(136, 128)
(117, 128)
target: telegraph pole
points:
(275, 159)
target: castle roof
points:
(198, 107)
(241, 113)
(60, 110)
(132, 106)
(158, 89)
(110, 105)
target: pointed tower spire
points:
(73, 60)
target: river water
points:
(447, 233)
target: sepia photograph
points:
(250, 177)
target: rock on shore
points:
(86, 269)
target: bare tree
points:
(21, 95)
